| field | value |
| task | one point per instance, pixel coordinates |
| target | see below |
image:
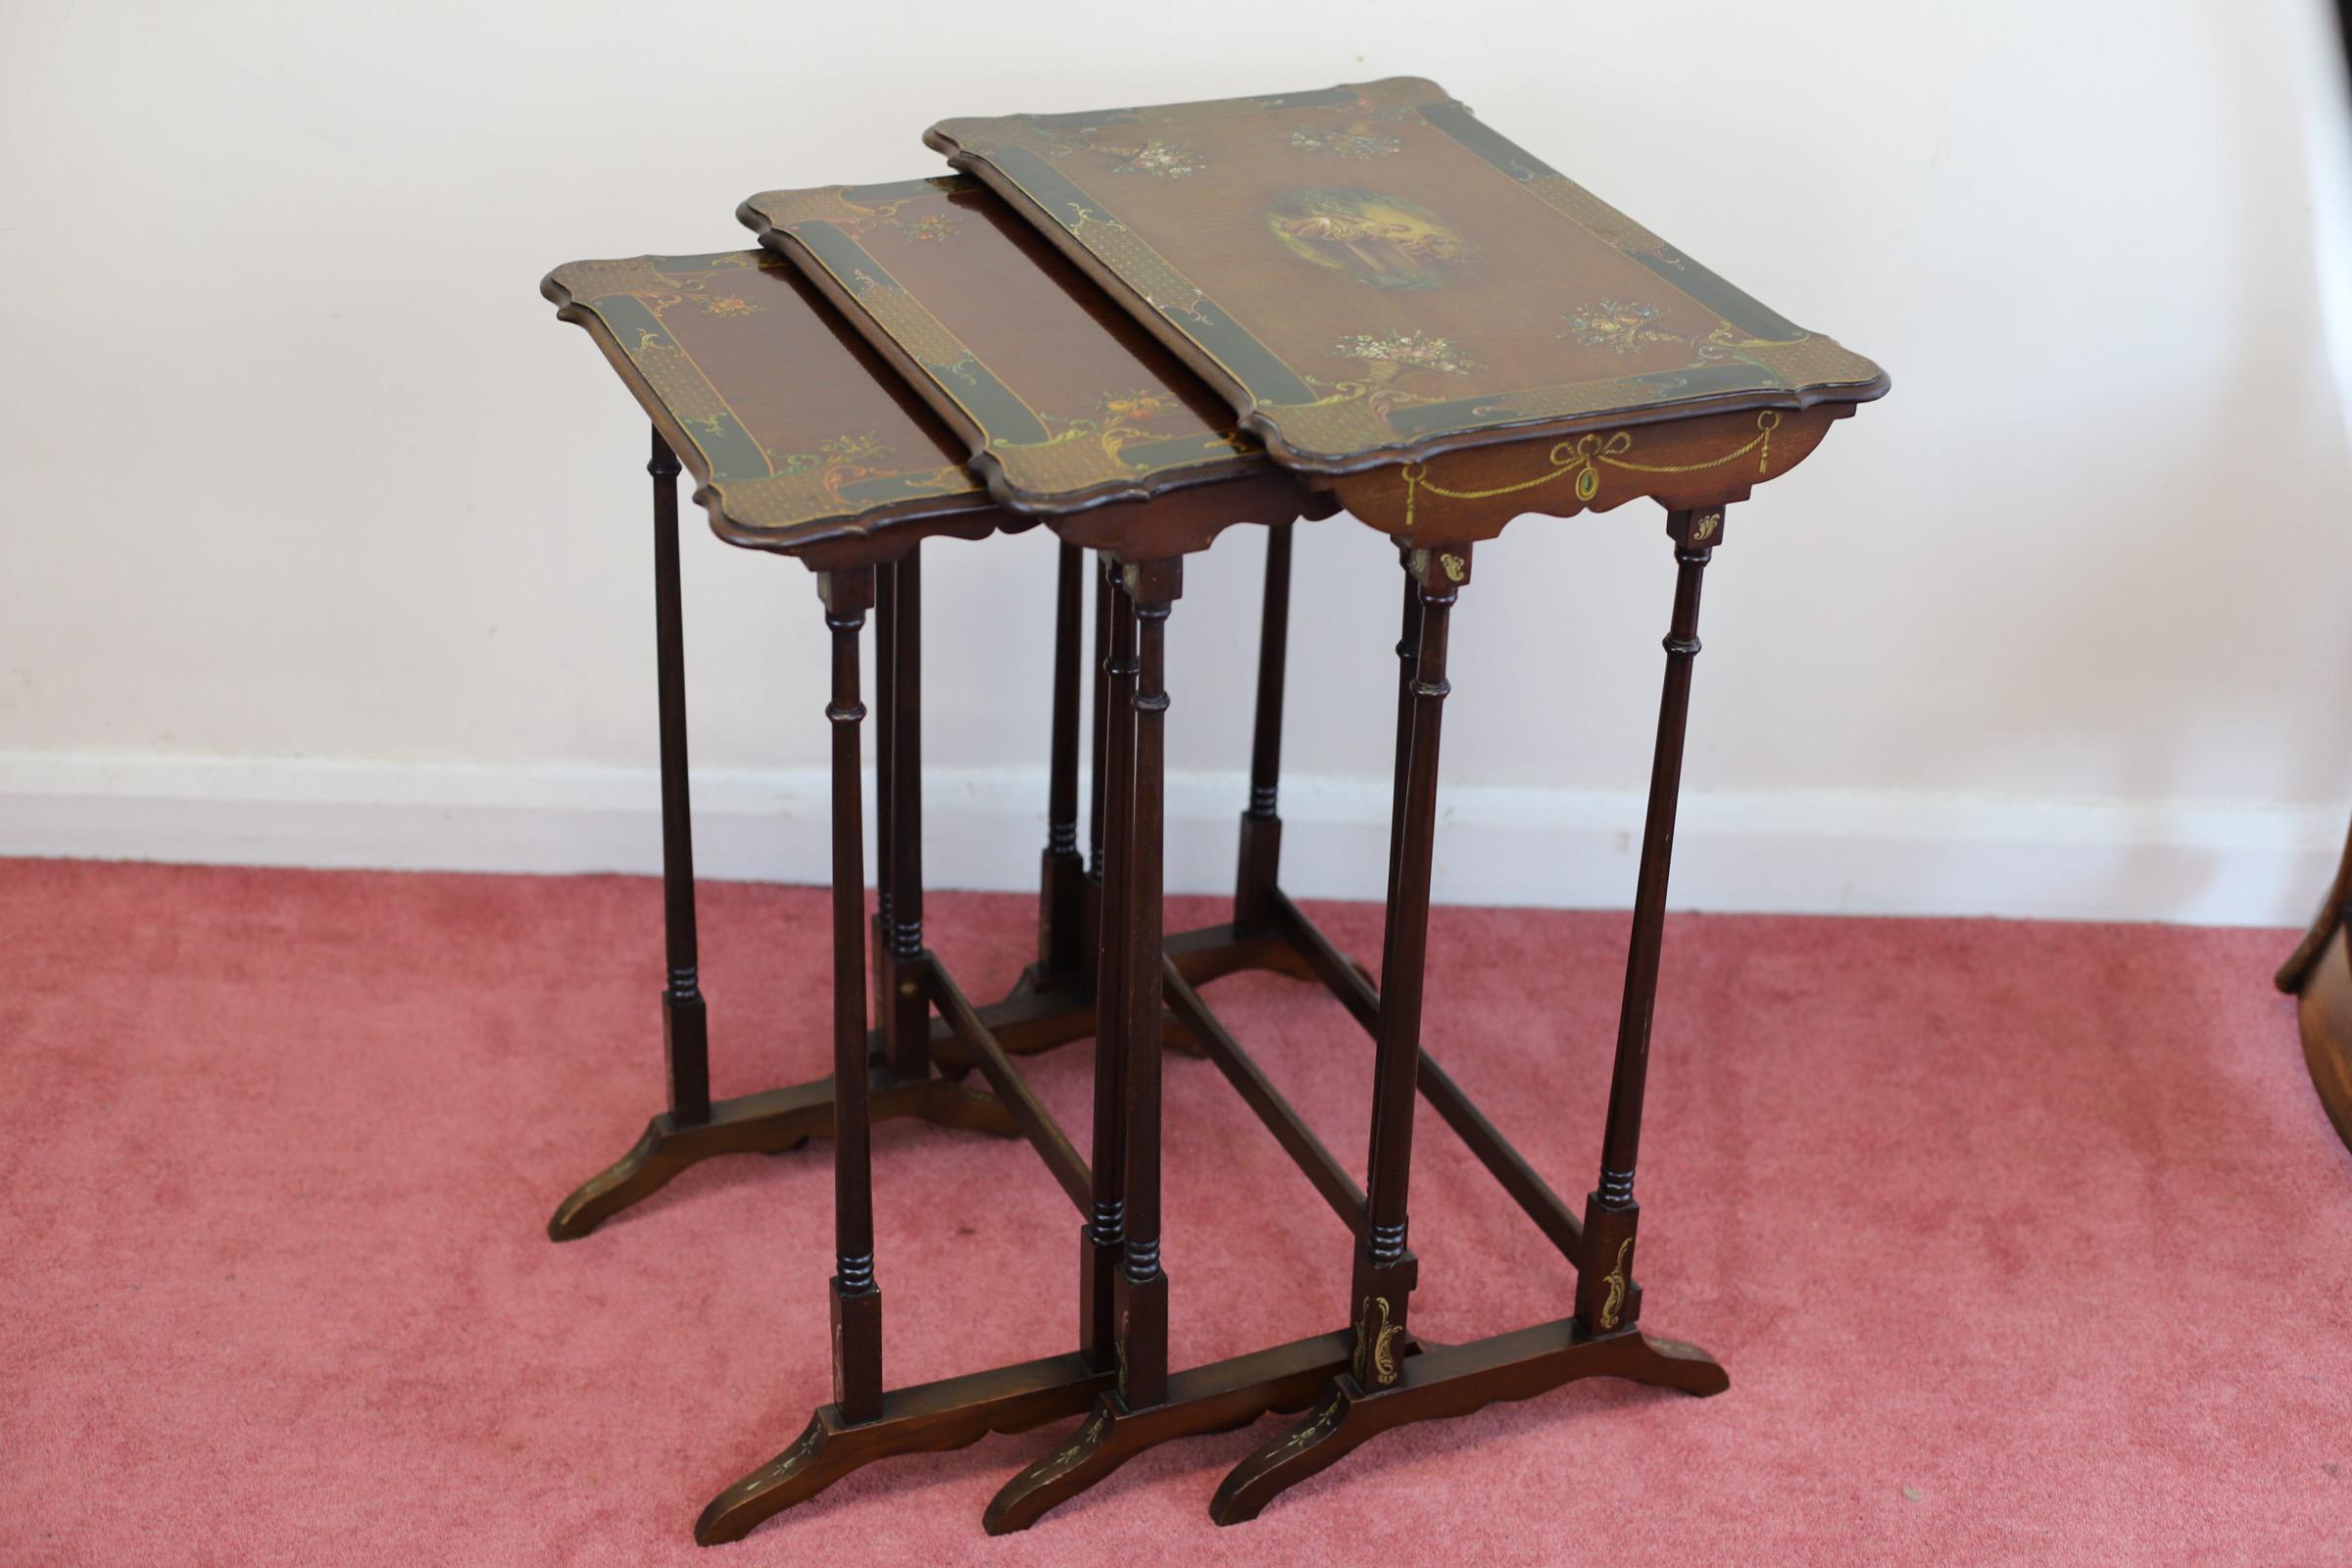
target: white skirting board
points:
(1819, 853)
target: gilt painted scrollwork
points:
(1580, 459)
(1375, 1356)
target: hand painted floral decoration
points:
(847, 450)
(1159, 158)
(1134, 407)
(1407, 351)
(928, 228)
(1346, 143)
(1618, 325)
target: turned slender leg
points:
(1260, 866)
(1143, 1286)
(1061, 913)
(857, 1300)
(886, 720)
(905, 1017)
(1127, 1096)
(1378, 1348)
(1383, 1275)
(1103, 1240)
(1408, 650)
(772, 1121)
(1107, 593)
(1606, 1297)
(685, 1028)
(1147, 1405)
(777, 1121)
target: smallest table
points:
(833, 464)
(834, 467)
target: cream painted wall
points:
(324, 542)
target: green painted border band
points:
(852, 264)
(1176, 450)
(1457, 120)
(1684, 276)
(710, 262)
(898, 190)
(1642, 391)
(727, 448)
(1002, 418)
(889, 488)
(1733, 304)
(1259, 369)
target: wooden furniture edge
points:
(969, 516)
(1252, 418)
(982, 458)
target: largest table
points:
(1440, 329)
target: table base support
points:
(774, 1121)
(927, 1418)
(1455, 1379)
(1217, 1398)
(1040, 1013)
(1036, 1015)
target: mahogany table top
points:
(1370, 275)
(1063, 401)
(798, 433)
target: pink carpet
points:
(2023, 1243)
